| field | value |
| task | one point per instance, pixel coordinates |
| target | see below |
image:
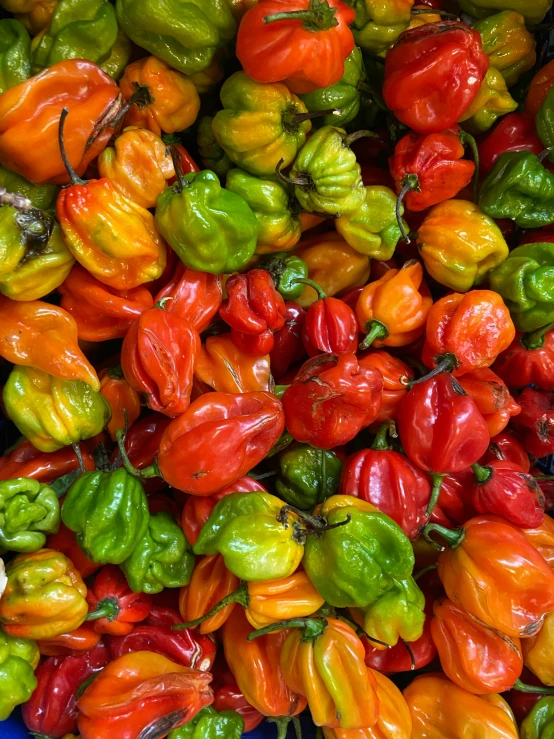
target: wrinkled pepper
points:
(194, 296)
(396, 376)
(122, 399)
(377, 26)
(514, 132)
(28, 512)
(225, 368)
(535, 423)
(493, 100)
(15, 54)
(492, 398)
(529, 360)
(113, 607)
(508, 44)
(330, 327)
(307, 476)
(288, 347)
(287, 271)
(19, 658)
(209, 724)
(210, 582)
(536, 652)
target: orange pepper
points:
(138, 166)
(538, 650)
(175, 102)
(392, 311)
(492, 398)
(210, 582)
(121, 397)
(440, 709)
(29, 115)
(542, 538)
(34, 14)
(43, 336)
(81, 639)
(225, 368)
(539, 88)
(396, 375)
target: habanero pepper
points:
(19, 660)
(537, 650)
(142, 441)
(211, 582)
(194, 296)
(508, 44)
(228, 697)
(123, 399)
(307, 476)
(454, 503)
(529, 360)
(542, 538)
(113, 607)
(287, 342)
(82, 639)
(330, 327)
(515, 132)
(492, 398)
(538, 722)
(506, 448)
(225, 368)
(29, 510)
(535, 423)
(396, 376)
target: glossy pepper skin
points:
(492, 398)
(227, 239)
(525, 281)
(433, 74)
(440, 707)
(475, 328)
(392, 310)
(377, 26)
(142, 705)
(532, 12)
(161, 559)
(493, 100)
(225, 368)
(535, 423)
(286, 271)
(111, 595)
(536, 652)
(210, 582)
(529, 360)
(210, 151)
(41, 196)
(288, 347)
(539, 88)
(19, 658)
(15, 54)
(515, 132)
(81, 639)
(121, 398)
(53, 413)
(208, 724)
(307, 53)
(538, 723)
(378, 542)
(330, 327)
(459, 244)
(331, 399)
(307, 476)
(33, 107)
(508, 44)
(109, 513)
(194, 296)
(26, 461)
(396, 376)
(218, 439)
(507, 448)
(65, 542)
(475, 657)
(44, 596)
(28, 512)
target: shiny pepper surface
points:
(18, 659)
(15, 54)
(307, 476)
(209, 724)
(110, 595)
(537, 650)
(529, 360)
(378, 24)
(330, 327)
(493, 100)
(515, 132)
(396, 376)
(41, 196)
(44, 596)
(28, 512)
(538, 723)
(492, 398)
(508, 44)
(210, 582)
(194, 296)
(225, 368)
(331, 399)
(123, 400)
(533, 11)
(535, 423)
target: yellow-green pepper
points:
(15, 54)
(508, 44)
(379, 23)
(532, 10)
(19, 659)
(493, 100)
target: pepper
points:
(65, 542)
(288, 272)
(142, 692)
(306, 51)
(173, 104)
(467, 332)
(210, 582)
(377, 543)
(396, 376)
(41, 196)
(52, 709)
(433, 74)
(218, 439)
(143, 440)
(227, 697)
(19, 658)
(53, 413)
(122, 399)
(44, 596)
(539, 87)
(529, 360)
(288, 347)
(493, 100)
(393, 310)
(533, 12)
(507, 448)
(514, 132)
(377, 26)
(194, 296)
(537, 649)
(538, 722)
(79, 29)
(113, 607)
(211, 229)
(43, 336)
(161, 559)
(331, 399)
(330, 327)
(307, 476)
(439, 706)
(508, 44)
(29, 113)
(225, 368)
(208, 724)
(279, 225)
(26, 461)
(260, 124)
(82, 639)
(454, 503)
(535, 423)
(28, 511)
(212, 155)
(492, 398)
(34, 15)
(15, 54)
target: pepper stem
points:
(375, 330)
(411, 653)
(434, 11)
(435, 492)
(321, 294)
(77, 450)
(468, 140)
(315, 524)
(312, 627)
(141, 97)
(524, 688)
(15, 200)
(115, 372)
(320, 16)
(363, 134)
(152, 471)
(425, 570)
(302, 182)
(482, 474)
(73, 176)
(381, 442)
(409, 182)
(108, 608)
(361, 631)
(240, 595)
(300, 117)
(282, 723)
(176, 159)
(535, 340)
(446, 363)
(453, 538)
(161, 303)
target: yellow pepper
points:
(34, 14)
(459, 244)
(493, 100)
(538, 649)
(421, 19)
(508, 44)
(225, 368)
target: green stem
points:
(311, 627)
(320, 16)
(304, 182)
(364, 134)
(541, 689)
(435, 492)
(240, 595)
(375, 330)
(300, 117)
(381, 441)
(116, 372)
(152, 471)
(447, 363)
(410, 652)
(482, 474)
(282, 723)
(108, 608)
(73, 176)
(161, 303)
(468, 140)
(321, 294)
(360, 631)
(409, 182)
(425, 570)
(453, 538)
(535, 340)
(314, 524)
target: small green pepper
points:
(41, 196)
(211, 724)
(163, 558)
(212, 155)
(109, 513)
(539, 722)
(379, 23)
(28, 512)
(286, 269)
(119, 58)
(307, 476)
(18, 660)
(493, 100)
(544, 121)
(15, 54)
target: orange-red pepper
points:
(210, 582)
(396, 376)
(81, 639)
(492, 398)
(225, 368)
(540, 86)
(25, 460)
(123, 399)
(542, 538)
(537, 652)
(193, 295)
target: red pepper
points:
(27, 461)
(64, 541)
(195, 296)
(254, 310)
(547, 488)
(331, 399)
(82, 639)
(491, 397)
(503, 489)
(514, 132)
(535, 423)
(529, 360)
(331, 327)
(538, 235)
(390, 482)
(454, 504)
(143, 439)
(507, 448)
(158, 357)
(396, 376)
(52, 708)
(288, 348)
(429, 169)
(220, 438)
(228, 697)
(433, 74)
(110, 595)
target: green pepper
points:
(326, 176)
(260, 125)
(381, 551)
(28, 512)
(307, 476)
(286, 269)
(212, 155)
(211, 229)
(109, 513)
(79, 29)
(544, 121)
(373, 229)
(532, 10)
(277, 215)
(41, 196)
(18, 660)
(211, 724)
(15, 54)
(53, 413)
(344, 95)
(519, 188)
(119, 58)
(379, 23)
(397, 614)
(525, 280)
(257, 544)
(493, 100)
(539, 722)
(163, 558)
(184, 35)
(508, 44)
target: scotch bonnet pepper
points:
(19, 658)
(529, 360)
(41, 196)
(28, 512)
(508, 44)
(194, 296)
(378, 25)
(307, 476)
(15, 54)
(113, 607)
(211, 724)
(225, 368)
(533, 11)
(492, 101)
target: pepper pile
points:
(282, 417)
